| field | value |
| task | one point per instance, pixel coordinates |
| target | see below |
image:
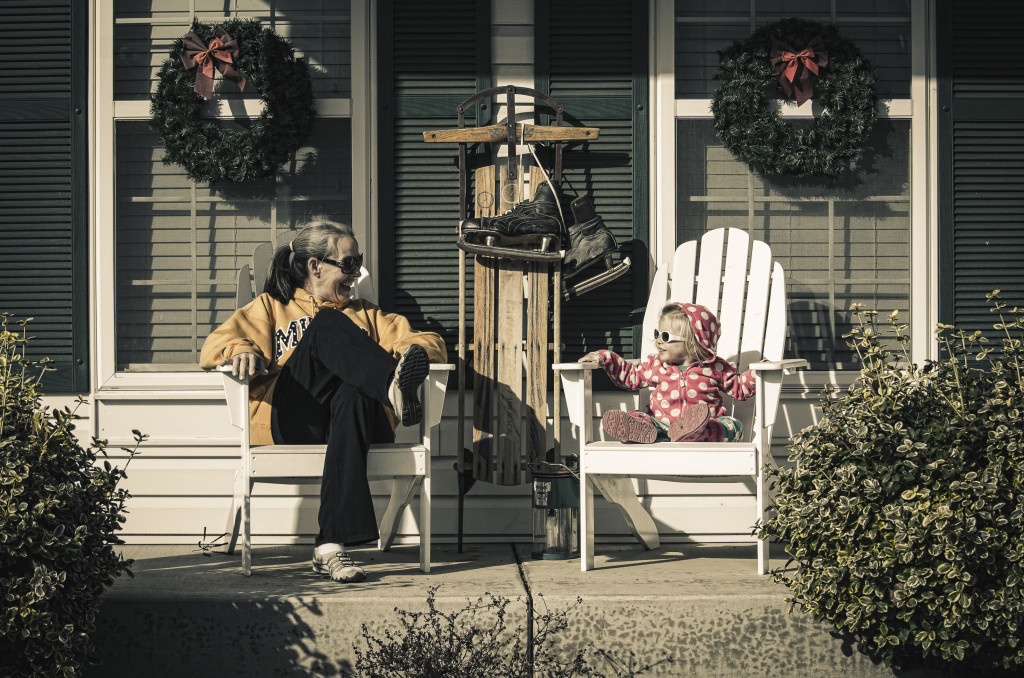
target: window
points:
(178, 244)
(841, 241)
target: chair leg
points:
(402, 489)
(618, 490)
(763, 553)
(586, 522)
(425, 524)
(231, 529)
(246, 531)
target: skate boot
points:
(590, 242)
(530, 231)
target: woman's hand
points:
(592, 357)
(245, 364)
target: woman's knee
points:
(351, 410)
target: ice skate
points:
(530, 231)
(590, 242)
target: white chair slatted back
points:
(734, 284)
(775, 342)
(243, 287)
(709, 272)
(261, 257)
(753, 335)
(752, 342)
(684, 272)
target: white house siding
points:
(182, 479)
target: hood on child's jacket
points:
(705, 326)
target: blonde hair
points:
(679, 323)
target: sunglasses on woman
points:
(666, 337)
(348, 265)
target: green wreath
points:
(845, 88)
(211, 152)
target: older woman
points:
(326, 368)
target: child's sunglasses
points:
(348, 265)
(666, 337)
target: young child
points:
(686, 378)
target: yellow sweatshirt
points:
(272, 330)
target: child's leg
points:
(690, 425)
(732, 429)
(629, 427)
(721, 429)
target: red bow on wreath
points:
(220, 53)
(795, 68)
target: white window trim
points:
(919, 108)
(105, 111)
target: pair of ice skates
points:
(533, 231)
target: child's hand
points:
(592, 357)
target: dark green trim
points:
(385, 155)
(944, 70)
(641, 168)
(483, 59)
(80, 197)
(541, 43)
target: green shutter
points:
(434, 55)
(44, 181)
(981, 159)
(591, 57)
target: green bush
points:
(477, 641)
(903, 511)
(59, 513)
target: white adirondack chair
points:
(748, 295)
(406, 462)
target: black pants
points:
(332, 390)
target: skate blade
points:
(596, 281)
(501, 252)
(605, 257)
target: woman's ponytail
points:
(281, 279)
(288, 271)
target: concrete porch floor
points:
(189, 613)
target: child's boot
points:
(629, 429)
(691, 424)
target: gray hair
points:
(318, 239)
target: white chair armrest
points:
(433, 391)
(570, 367)
(785, 365)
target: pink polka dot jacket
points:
(676, 387)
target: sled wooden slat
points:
(537, 364)
(509, 389)
(484, 368)
(510, 372)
